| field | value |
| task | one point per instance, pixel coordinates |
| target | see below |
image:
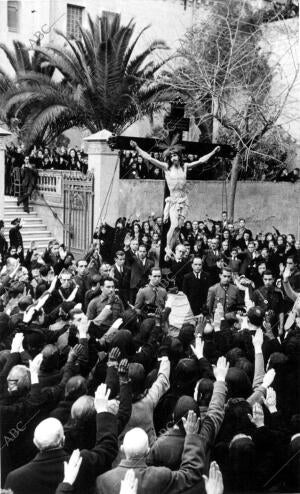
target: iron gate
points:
(78, 211)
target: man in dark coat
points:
(15, 236)
(212, 255)
(46, 470)
(29, 180)
(157, 479)
(121, 275)
(178, 266)
(82, 279)
(270, 299)
(195, 286)
(140, 270)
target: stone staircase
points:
(33, 226)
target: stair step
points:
(10, 199)
(30, 229)
(16, 209)
(26, 221)
(39, 240)
(24, 216)
(36, 234)
(13, 204)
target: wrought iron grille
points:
(78, 193)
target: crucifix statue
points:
(175, 171)
(176, 203)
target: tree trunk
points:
(233, 184)
(215, 121)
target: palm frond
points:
(104, 82)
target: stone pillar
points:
(3, 134)
(104, 163)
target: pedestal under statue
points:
(175, 171)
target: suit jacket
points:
(211, 258)
(29, 177)
(178, 270)
(160, 480)
(130, 257)
(43, 474)
(247, 262)
(84, 284)
(140, 273)
(122, 282)
(229, 299)
(196, 290)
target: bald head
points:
(11, 264)
(83, 408)
(18, 379)
(49, 434)
(180, 251)
(135, 444)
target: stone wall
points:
(262, 204)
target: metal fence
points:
(78, 203)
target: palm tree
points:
(21, 61)
(99, 82)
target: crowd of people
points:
(130, 371)
(133, 166)
(42, 158)
(45, 158)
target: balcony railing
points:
(50, 186)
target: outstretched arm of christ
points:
(203, 159)
(147, 156)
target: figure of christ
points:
(176, 206)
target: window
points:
(13, 16)
(74, 20)
(109, 15)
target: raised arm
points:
(203, 159)
(162, 383)
(287, 287)
(216, 410)
(148, 157)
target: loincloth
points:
(177, 207)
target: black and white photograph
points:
(149, 247)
